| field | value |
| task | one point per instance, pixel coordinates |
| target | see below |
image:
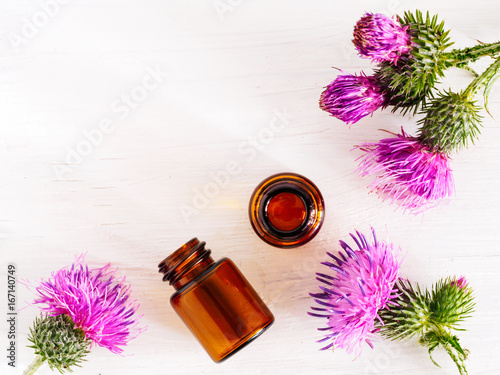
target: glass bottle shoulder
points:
(201, 278)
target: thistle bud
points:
(57, 342)
(431, 315)
(451, 121)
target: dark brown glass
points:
(214, 300)
(286, 210)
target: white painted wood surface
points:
(117, 115)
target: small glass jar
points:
(286, 210)
(214, 300)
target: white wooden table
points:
(118, 119)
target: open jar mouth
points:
(286, 210)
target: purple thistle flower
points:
(97, 302)
(350, 98)
(407, 172)
(380, 38)
(363, 284)
(460, 283)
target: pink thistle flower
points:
(350, 98)
(460, 283)
(380, 38)
(407, 171)
(363, 284)
(97, 302)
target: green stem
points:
(485, 78)
(461, 57)
(439, 337)
(35, 365)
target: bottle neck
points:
(186, 263)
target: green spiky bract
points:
(450, 304)
(431, 316)
(413, 77)
(57, 342)
(451, 121)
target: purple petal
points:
(380, 38)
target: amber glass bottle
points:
(214, 300)
(286, 210)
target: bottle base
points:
(244, 342)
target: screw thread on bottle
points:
(187, 262)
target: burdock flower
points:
(97, 310)
(350, 97)
(380, 38)
(407, 171)
(350, 300)
(367, 296)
